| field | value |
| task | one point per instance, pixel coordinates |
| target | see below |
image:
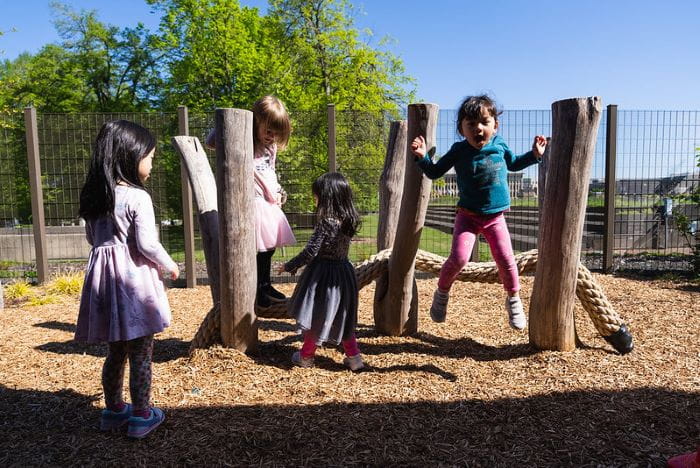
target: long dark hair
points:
(119, 148)
(335, 201)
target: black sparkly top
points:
(327, 242)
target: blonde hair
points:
(270, 112)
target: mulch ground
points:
(467, 392)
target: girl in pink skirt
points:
(271, 130)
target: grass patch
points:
(42, 300)
(66, 285)
(18, 291)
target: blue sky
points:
(526, 53)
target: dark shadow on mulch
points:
(276, 325)
(278, 354)
(460, 348)
(640, 427)
(55, 325)
(163, 350)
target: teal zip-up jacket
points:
(482, 175)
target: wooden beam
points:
(401, 301)
(187, 213)
(390, 193)
(574, 130)
(37, 195)
(237, 266)
(201, 179)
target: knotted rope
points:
(592, 298)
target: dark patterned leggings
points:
(140, 352)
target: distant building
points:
(664, 186)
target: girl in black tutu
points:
(324, 302)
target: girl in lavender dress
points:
(123, 301)
(271, 130)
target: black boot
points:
(262, 299)
(275, 295)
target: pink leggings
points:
(308, 349)
(494, 229)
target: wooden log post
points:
(400, 304)
(574, 130)
(237, 267)
(390, 193)
(201, 179)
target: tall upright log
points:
(390, 192)
(574, 130)
(201, 179)
(234, 174)
(400, 304)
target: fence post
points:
(183, 125)
(609, 215)
(332, 166)
(37, 194)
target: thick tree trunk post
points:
(201, 179)
(390, 192)
(401, 301)
(234, 173)
(574, 130)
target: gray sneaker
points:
(354, 362)
(300, 361)
(516, 315)
(438, 310)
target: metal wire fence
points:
(655, 164)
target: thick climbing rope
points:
(593, 300)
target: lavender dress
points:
(123, 296)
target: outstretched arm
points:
(425, 163)
(147, 237)
(313, 246)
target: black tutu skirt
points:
(325, 300)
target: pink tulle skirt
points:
(272, 229)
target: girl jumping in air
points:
(481, 161)
(123, 301)
(271, 130)
(324, 302)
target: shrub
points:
(18, 291)
(67, 285)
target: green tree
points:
(50, 81)
(120, 68)
(219, 54)
(335, 65)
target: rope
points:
(592, 298)
(209, 332)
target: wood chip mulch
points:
(467, 392)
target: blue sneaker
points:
(141, 427)
(112, 420)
